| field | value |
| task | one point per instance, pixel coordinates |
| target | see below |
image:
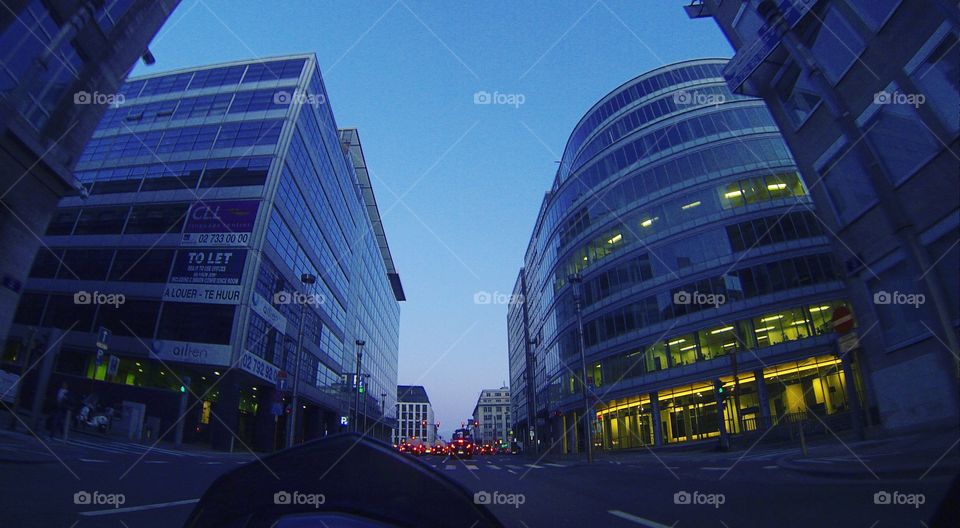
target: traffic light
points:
(423, 423)
(185, 384)
(720, 389)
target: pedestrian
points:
(59, 417)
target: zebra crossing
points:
(477, 465)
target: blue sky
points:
(459, 184)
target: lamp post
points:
(365, 377)
(306, 279)
(356, 390)
(383, 408)
(576, 281)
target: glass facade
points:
(700, 259)
(213, 191)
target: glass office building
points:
(228, 219)
(866, 94)
(701, 262)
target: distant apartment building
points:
(866, 94)
(415, 420)
(61, 65)
(492, 419)
(228, 224)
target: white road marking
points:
(715, 468)
(639, 520)
(492, 466)
(512, 471)
(533, 466)
(771, 467)
(94, 460)
(159, 505)
(451, 467)
(554, 465)
(154, 461)
(814, 461)
(471, 467)
(208, 463)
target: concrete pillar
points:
(223, 426)
(762, 400)
(657, 426)
(853, 399)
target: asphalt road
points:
(159, 487)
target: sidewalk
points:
(913, 456)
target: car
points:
(418, 449)
(403, 447)
(462, 447)
(503, 451)
(439, 450)
(486, 449)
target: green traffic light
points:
(183, 389)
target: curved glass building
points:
(680, 215)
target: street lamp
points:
(576, 281)
(356, 390)
(365, 384)
(306, 279)
(383, 415)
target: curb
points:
(794, 463)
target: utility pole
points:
(576, 281)
(307, 279)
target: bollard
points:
(68, 418)
(803, 442)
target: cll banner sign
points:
(210, 276)
(223, 223)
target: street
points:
(135, 486)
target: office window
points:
(46, 262)
(899, 320)
(901, 139)
(835, 44)
(62, 222)
(132, 318)
(874, 12)
(204, 323)
(848, 186)
(142, 265)
(156, 219)
(86, 264)
(101, 220)
(797, 94)
(938, 77)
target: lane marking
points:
(451, 467)
(155, 461)
(156, 506)
(210, 463)
(554, 465)
(93, 460)
(492, 466)
(512, 471)
(771, 467)
(639, 520)
(715, 468)
(533, 466)
(472, 467)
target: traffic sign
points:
(282, 380)
(112, 364)
(842, 320)
(99, 356)
(103, 339)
